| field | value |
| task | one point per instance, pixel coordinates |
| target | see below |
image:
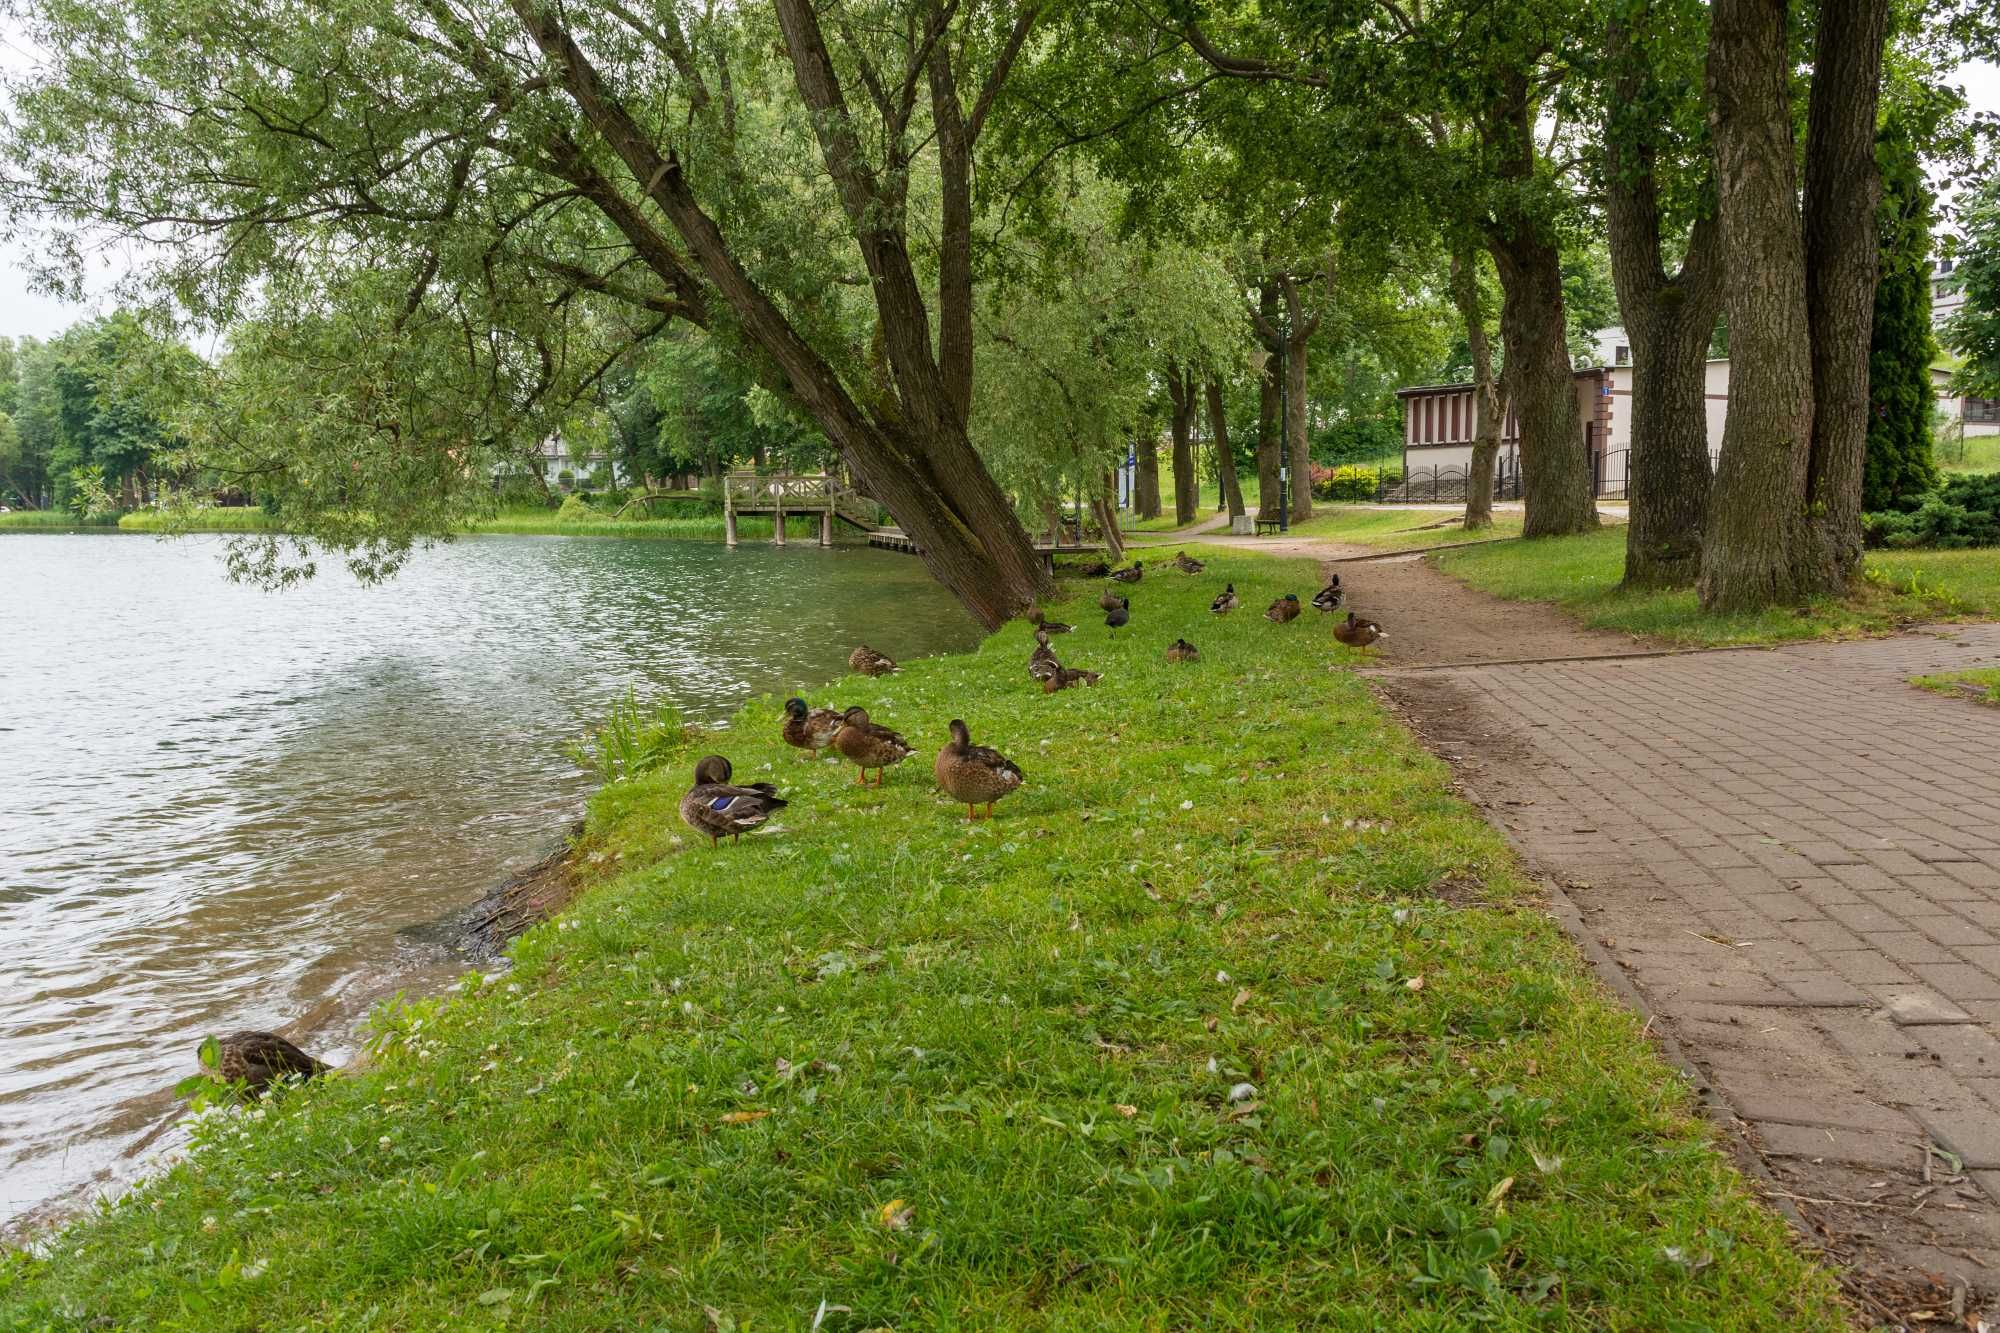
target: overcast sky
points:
(24, 311)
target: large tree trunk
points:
(1669, 321)
(1487, 409)
(1298, 451)
(1146, 475)
(1756, 522)
(1104, 505)
(1555, 466)
(1843, 191)
(1187, 487)
(1225, 457)
(1270, 402)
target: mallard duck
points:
(1119, 614)
(1041, 622)
(1042, 662)
(1225, 601)
(1180, 650)
(869, 662)
(809, 729)
(1284, 610)
(1065, 677)
(714, 807)
(869, 745)
(1096, 569)
(1109, 599)
(1132, 575)
(1359, 633)
(1187, 564)
(1328, 598)
(975, 774)
(257, 1058)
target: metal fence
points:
(1442, 484)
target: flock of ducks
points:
(972, 775)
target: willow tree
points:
(446, 218)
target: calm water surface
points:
(224, 808)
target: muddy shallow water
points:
(224, 808)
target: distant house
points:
(555, 459)
(1973, 416)
(1947, 293)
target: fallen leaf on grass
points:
(1242, 998)
(1414, 983)
(1127, 1111)
(1499, 1192)
(896, 1214)
(743, 1117)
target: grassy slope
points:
(1948, 683)
(709, 1085)
(1398, 529)
(1980, 454)
(1580, 574)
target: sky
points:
(24, 311)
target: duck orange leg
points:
(970, 811)
(989, 809)
(861, 776)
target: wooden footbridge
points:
(833, 500)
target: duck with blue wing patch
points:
(714, 807)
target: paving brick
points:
(1973, 1134)
(1762, 1097)
(1913, 1008)
(1959, 981)
(1954, 932)
(1860, 1146)
(1967, 1049)
(1907, 946)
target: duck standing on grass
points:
(809, 729)
(1042, 622)
(1119, 614)
(1180, 650)
(1283, 611)
(1109, 599)
(1042, 662)
(1065, 677)
(975, 774)
(869, 662)
(1132, 575)
(721, 811)
(869, 745)
(1225, 601)
(257, 1059)
(1328, 598)
(1359, 633)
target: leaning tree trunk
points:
(1843, 190)
(1104, 505)
(1146, 477)
(1225, 457)
(1754, 552)
(1187, 487)
(1486, 401)
(1298, 451)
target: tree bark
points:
(1843, 191)
(1487, 410)
(1298, 451)
(1751, 557)
(1669, 320)
(1555, 467)
(1270, 449)
(1225, 457)
(1146, 475)
(1105, 507)
(1187, 487)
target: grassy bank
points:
(1399, 529)
(1581, 575)
(1976, 453)
(50, 520)
(883, 1068)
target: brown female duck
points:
(1180, 650)
(1042, 662)
(1132, 575)
(1066, 677)
(1359, 633)
(869, 745)
(1042, 622)
(1187, 564)
(714, 807)
(869, 662)
(975, 774)
(809, 729)
(257, 1059)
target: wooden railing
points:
(754, 493)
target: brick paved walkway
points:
(1794, 858)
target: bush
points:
(575, 509)
(1349, 481)
(1358, 440)
(1964, 512)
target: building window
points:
(1621, 356)
(1982, 409)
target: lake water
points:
(224, 808)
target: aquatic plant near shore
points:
(634, 738)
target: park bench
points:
(1268, 525)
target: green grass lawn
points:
(1398, 529)
(1978, 453)
(1234, 1018)
(49, 520)
(1581, 574)
(1952, 683)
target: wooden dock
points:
(781, 495)
(895, 539)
